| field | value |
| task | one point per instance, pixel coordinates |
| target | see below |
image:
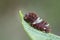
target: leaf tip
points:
(20, 13)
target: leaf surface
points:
(36, 34)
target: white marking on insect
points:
(47, 25)
(44, 28)
(38, 20)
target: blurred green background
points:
(10, 25)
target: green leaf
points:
(36, 34)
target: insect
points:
(36, 22)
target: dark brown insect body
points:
(36, 22)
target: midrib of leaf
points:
(36, 34)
